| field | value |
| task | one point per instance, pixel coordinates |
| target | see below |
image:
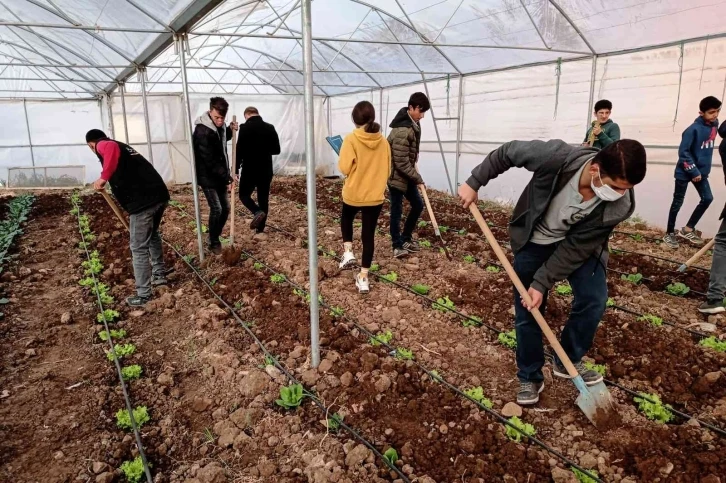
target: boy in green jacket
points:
(606, 131)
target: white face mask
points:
(604, 192)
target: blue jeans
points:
(414, 198)
(146, 251)
(590, 290)
(679, 194)
(218, 212)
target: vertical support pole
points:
(192, 162)
(122, 90)
(142, 76)
(436, 130)
(111, 127)
(592, 91)
(459, 128)
(307, 35)
(30, 138)
(380, 110)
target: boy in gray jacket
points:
(559, 230)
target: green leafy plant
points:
(374, 267)
(424, 243)
(290, 396)
(583, 478)
(337, 311)
(493, 269)
(277, 278)
(86, 282)
(655, 410)
(391, 456)
(133, 470)
(403, 354)
(599, 368)
(109, 314)
(122, 350)
(651, 319)
(469, 259)
(472, 321)
(678, 289)
(713, 343)
(443, 304)
(336, 199)
(462, 232)
(269, 361)
(443, 228)
(477, 394)
(390, 277)
(258, 266)
(421, 289)
(610, 302)
(382, 338)
(435, 376)
(188, 259)
(563, 289)
(523, 427)
(131, 372)
(115, 334)
(422, 223)
(141, 416)
(176, 204)
(333, 422)
(634, 278)
(92, 266)
(637, 237)
(508, 339)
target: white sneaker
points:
(348, 260)
(362, 284)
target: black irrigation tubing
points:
(436, 377)
(129, 407)
(675, 262)
(672, 324)
(550, 355)
(633, 235)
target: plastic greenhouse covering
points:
(495, 70)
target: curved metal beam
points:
(259, 78)
(572, 24)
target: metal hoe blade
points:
(597, 404)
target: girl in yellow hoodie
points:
(365, 160)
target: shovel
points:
(595, 401)
(433, 220)
(115, 209)
(698, 255)
(232, 163)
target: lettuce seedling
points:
(563, 289)
(599, 368)
(122, 350)
(421, 289)
(713, 343)
(610, 302)
(583, 478)
(277, 278)
(290, 396)
(258, 266)
(651, 319)
(375, 267)
(493, 269)
(422, 223)
(634, 278)
(390, 277)
(424, 243)
(133, 470)
(656, 410)
(472, 321)
(115, 334)
(403, 354)
(508, 339)
(523, 427)
(443, 304)
(141, 416)
(382, 338)
(469, 259)
(678, 289)
(109, 314)
(477, 394)
(337, 311)
(391, 456)
(131, 372)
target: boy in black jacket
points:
(559, 230)
(210, 157)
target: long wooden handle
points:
(700, 253)
(425, 195)
(115, 209)
(232, 164)
(522, 291)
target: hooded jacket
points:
(553, 164)
(610, 133)
(695, 153)
(210, 152)
(365, 160)
(257, 143)
(405, 139)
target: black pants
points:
(218, 211)
(370, 216)
(247, 185)
(413, 196)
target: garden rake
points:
(698, 255)
(115, 209)
(595, 401)
(433, 220)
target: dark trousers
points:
(370, 216)
(414, 198)
(717, 282)
(679, 194)
(590, 290)
(218, 212)
(247, 185)
(145, 244)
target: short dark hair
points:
(419, 99)
(251, 110)
(219, 105)
(95, 135)
(708, 103)
(603, 104)
(624, 159)
(364, 114)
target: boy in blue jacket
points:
(694, 165)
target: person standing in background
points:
(210, 156)
(603, 131)
(258, 142)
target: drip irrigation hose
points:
(684, 415)
(129, 407)
(675, 262)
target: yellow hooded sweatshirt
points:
(365, 160)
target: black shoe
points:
(400, 253)
(411, 247)
(216, 249)
(158, 281)
(137, 301)
(529, 392)
(712, 307)
(257, 219)
(588, 375)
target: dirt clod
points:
(511, 409)
(357, 456)
(66, 318)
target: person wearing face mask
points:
(559, 230)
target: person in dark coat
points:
(141, 191)
(258, 142)
(210, 155)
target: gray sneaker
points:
(588, 375)
(691, 236)
(400, 253)
(158, 281)
(411, 247)
(712, 307)
(529, 392)
(670, 240)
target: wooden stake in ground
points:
(698, 255)
(433, 220)
(115, 209)
(232, 164)
(595, 401)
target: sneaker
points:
(158, 281)
(257, 219)
(670, 240)
(411, 247)
(691, 236)
(348, 260)
(137, 301)
(362, 284)
(712, 307)
(167, 271)
(216, 249)
(529, 392)
(588, 375)
(400, 253)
